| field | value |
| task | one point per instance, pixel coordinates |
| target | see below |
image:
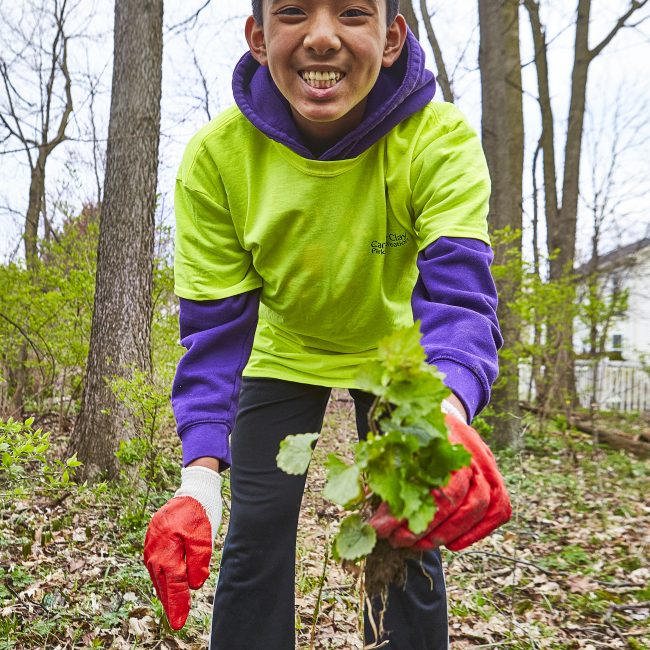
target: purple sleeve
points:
(456, 300)
(218, 335)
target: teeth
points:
(321, 78)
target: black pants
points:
(254, 606)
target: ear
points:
(395, 39)
(255, 39)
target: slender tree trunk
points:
(562, 216)
(406, 9)
(547, 139)
(503, 141)
(34, 209)
(562, 233)
(121, 325)
(442, 77)
(562, 229)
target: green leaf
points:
(419, 507)
(402, 348)
(355, 539)
(73, 462)
(370, 378)
(295, 453)
(343, 482)
(386, 482)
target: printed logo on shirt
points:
(393, 240)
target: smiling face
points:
(325, 56)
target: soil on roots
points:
(386, 566)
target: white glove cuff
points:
(204, 485)
(448, 407)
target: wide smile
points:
(321, 79)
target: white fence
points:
(621, 385)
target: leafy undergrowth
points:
(570, 570)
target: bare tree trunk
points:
(34, 209)
(536, 378)
(562, 218)
(442, 77)
(406, 9)
(121, 325)
(503, 141)
(547, 138)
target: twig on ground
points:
(607, 619)
(508, 558)
(24, 597)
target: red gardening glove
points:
(177, 552)
(469, 507)
(455, 533)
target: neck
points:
(320, 136)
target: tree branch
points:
(18, 131)
(620, 23)
(191, 19)
(63, 65)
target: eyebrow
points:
(275, 2)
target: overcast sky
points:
(210, 47)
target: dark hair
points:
(393, 10)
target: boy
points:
(331, 205)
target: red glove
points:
(473, 504)
(178, 543)
(177, 552)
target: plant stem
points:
(321, 584)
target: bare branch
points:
(204, 84)
(16, 132)
(620, 23)
(63, 66)
(191, 19)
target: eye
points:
(355, 13)
(289, 11)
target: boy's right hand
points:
(473, 504)
(178, 543)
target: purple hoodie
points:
(454, 297)
(401, 90)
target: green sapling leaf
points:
(401, 349)
(419, 506)
(295, 453)
(370, 378)
(343, 482)
(355, 538)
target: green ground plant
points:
(556, 577)
(26, 467)
(146, 464)
(45, 317)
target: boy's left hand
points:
(473, 504)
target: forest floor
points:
(570, 570)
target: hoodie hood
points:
(401, 90)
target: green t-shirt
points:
(332, 244)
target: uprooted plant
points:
(405, 456)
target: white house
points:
(622, 377)
(625, 268)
